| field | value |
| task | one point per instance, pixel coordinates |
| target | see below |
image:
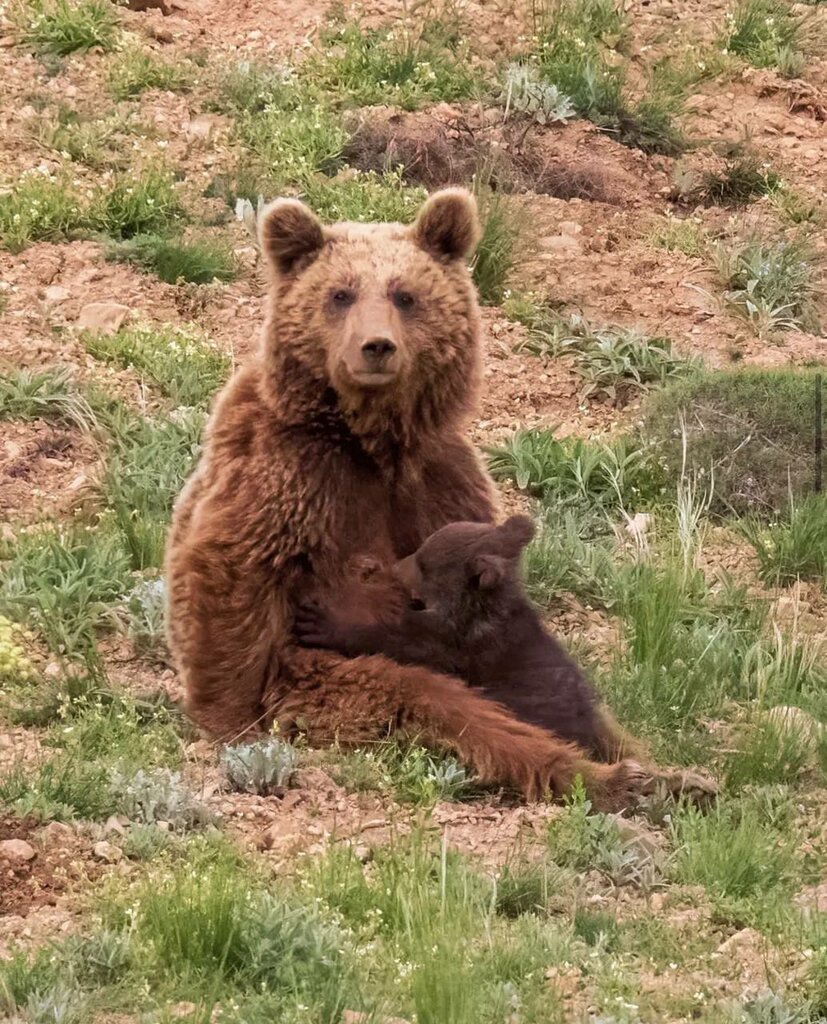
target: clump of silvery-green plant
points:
(62, 1003)
(249, 214)
(526, 94)
(260, 767)
(145, 611)
(158, 795)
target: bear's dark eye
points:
(402, 300)
(343, 297)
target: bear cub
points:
(457, 605)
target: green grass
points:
(503, 231)
(409, 772)
(292, 142)
(63, 27)
(774, 286)
(179, 362)
(40, 208)
(686, 236)
(747, 866)
(94, 141)
(743, 177)
(135, 203)
(405, 65)
(49, 395)
(766, 33)
(751, 428)
(145, 470)
(135, 70)
(571, 471)
(575, 53)
(571, 554)
(615, 364)
(102, 747)
(200, 261)
(43, 208)
(62, 581)
(796, 547)
(767, 753)
(363, 196)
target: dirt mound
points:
(447, 145)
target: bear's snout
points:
(377, 353)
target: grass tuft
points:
(796, 547)
(49, 395)
(406, 66)
(576, 40)
(736, 856)
(174, 260)
(135, 203)
(772, 285)
(180, 363)
(751, 428)
(571, 472)
(40, 208)
(135, 70)
(742, 178)
(62, 27)
(767, 34)
(498, 249)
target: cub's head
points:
(465, 566)
(375, 309)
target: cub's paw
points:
(699, 789)
(623, 786)
(313, 625)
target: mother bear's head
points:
(383, 316)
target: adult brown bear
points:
(342, 437)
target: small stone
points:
(56, 293)
(114, 824)
(17, 851)
(57, 832)
(180, 1010)
(746, 938)
(562, 244)
(102, 317)
(202, 127)
(107, 852)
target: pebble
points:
(102, 317)
(107, 852)
(17, 851)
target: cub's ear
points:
(486, 571)
(289, 233)
(513, 535)
(448, 226)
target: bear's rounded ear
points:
(513, 535)
(289, 232)
(448, 226)
(485, 572)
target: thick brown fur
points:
(457, 605)
(344, 436)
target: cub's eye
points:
(402, 300)
(343, 297)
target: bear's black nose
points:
(377, 350)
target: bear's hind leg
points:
(361, 699)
